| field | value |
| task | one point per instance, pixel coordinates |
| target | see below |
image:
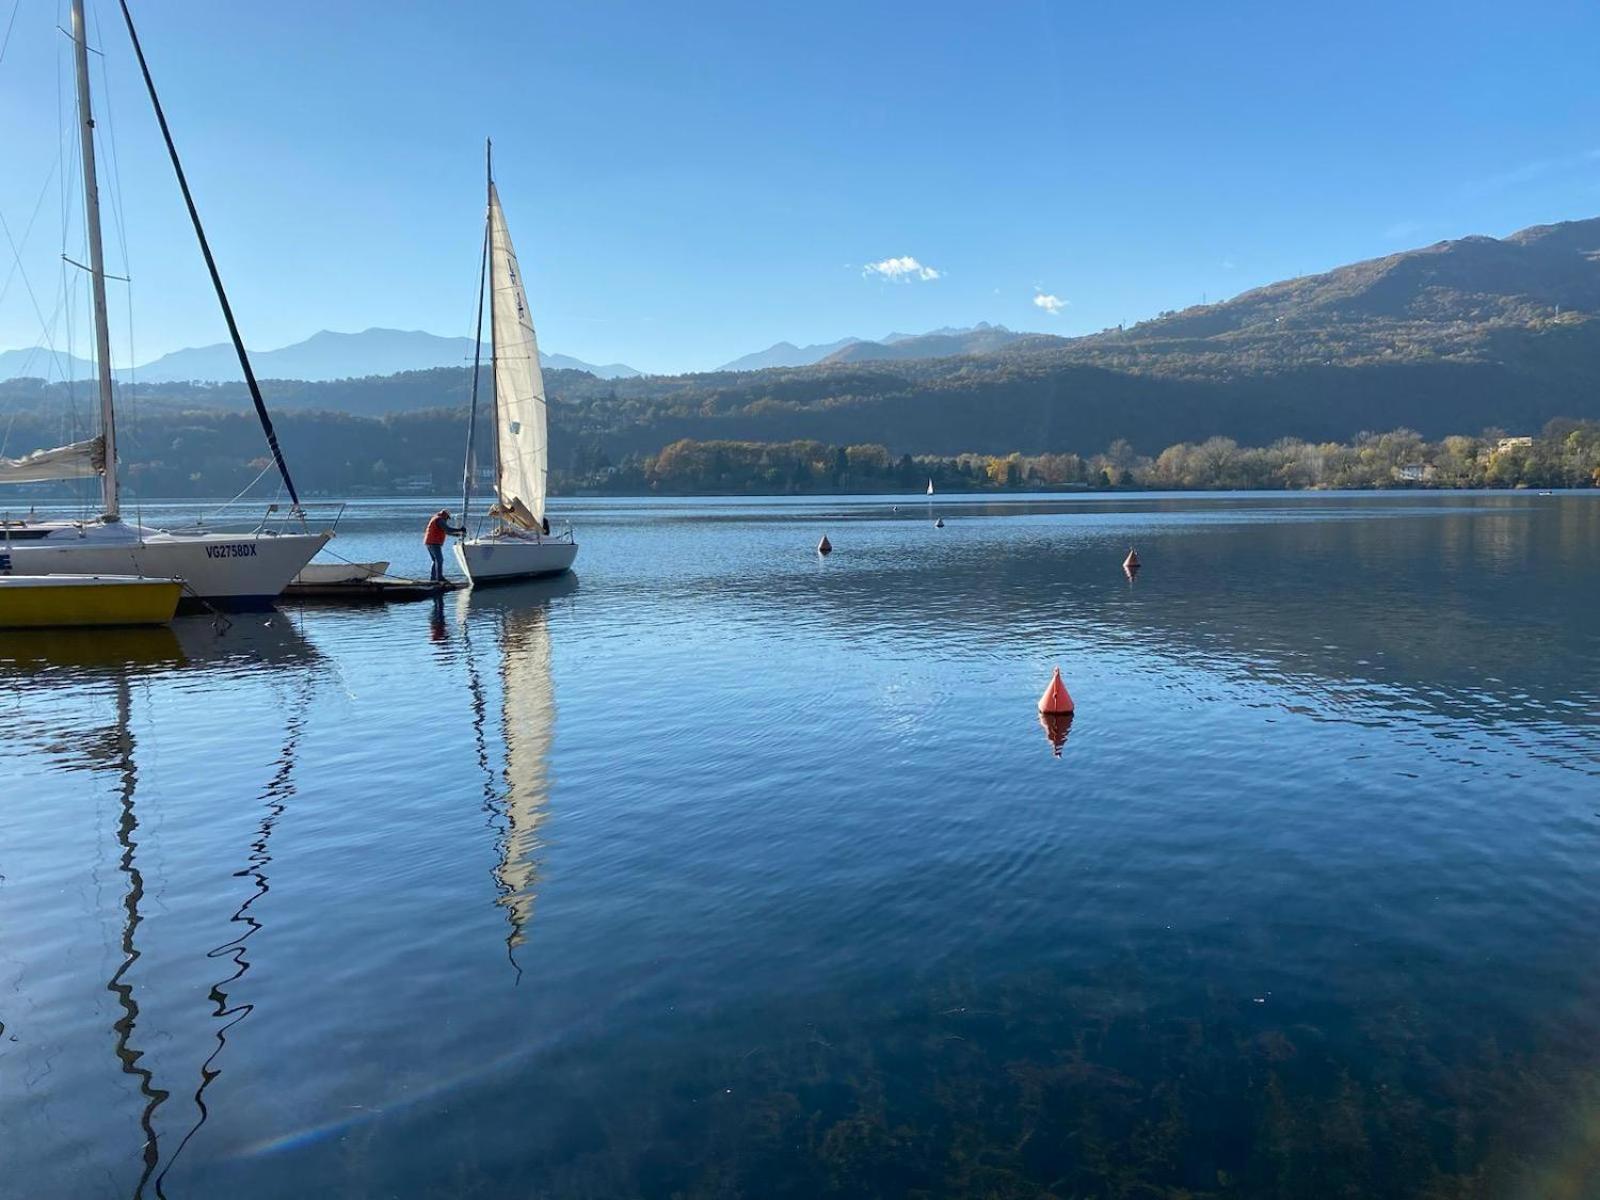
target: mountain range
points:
(321, 357)
(937, 343)
(1448, 338)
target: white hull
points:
(226, 570)
(322, 574)
(501, 559)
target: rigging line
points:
(211, 262)
(109, 142)
(23, 271)
(225, 506)
(10, 25)
(127, 394)
(38, 206)
(34, 351)
(477, 360)
(280, 790)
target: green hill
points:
(1450, 338)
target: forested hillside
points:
(1446, 340)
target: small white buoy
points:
(1131, 563)
(824, 546)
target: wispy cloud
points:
(902, 270)
(1227, 264)
(1051, 304)
(1528, 172)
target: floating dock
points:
(376, 589)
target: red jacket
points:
(437, 529)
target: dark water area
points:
(724, 869)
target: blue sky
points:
(689, 182)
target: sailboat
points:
(230, 570)
(519, 544)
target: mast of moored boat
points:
(97, 267)
(494, 300)
(477, 356)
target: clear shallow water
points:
(728, 870)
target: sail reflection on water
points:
(520, 619)
(528, 713)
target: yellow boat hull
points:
(43, 604)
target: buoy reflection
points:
(1056, 728)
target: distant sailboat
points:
(520, 545)
(930, 487)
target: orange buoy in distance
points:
(824, 546)
(1056, 701)
(1131, 563)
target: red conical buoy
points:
(1131, 563)
(1055, 700)
(824, 546)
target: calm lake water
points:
(727, 870)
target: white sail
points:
(930, 487)
(77, 461)
(529, 714)
(520, 431)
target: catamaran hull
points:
(232, 571)
(501, 560)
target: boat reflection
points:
(257, 639)
(114, 660)
(40, 650)
(518, 618)
(274, 801)
(124, 1027)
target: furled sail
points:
(518, 384)
(77, 461)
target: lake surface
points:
(728, 870)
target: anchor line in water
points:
(123, 1028)
(280, 789)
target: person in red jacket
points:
(439, 528)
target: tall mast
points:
(97, 266)
(477, 360)
(494, 375)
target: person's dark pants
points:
(437, 554)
